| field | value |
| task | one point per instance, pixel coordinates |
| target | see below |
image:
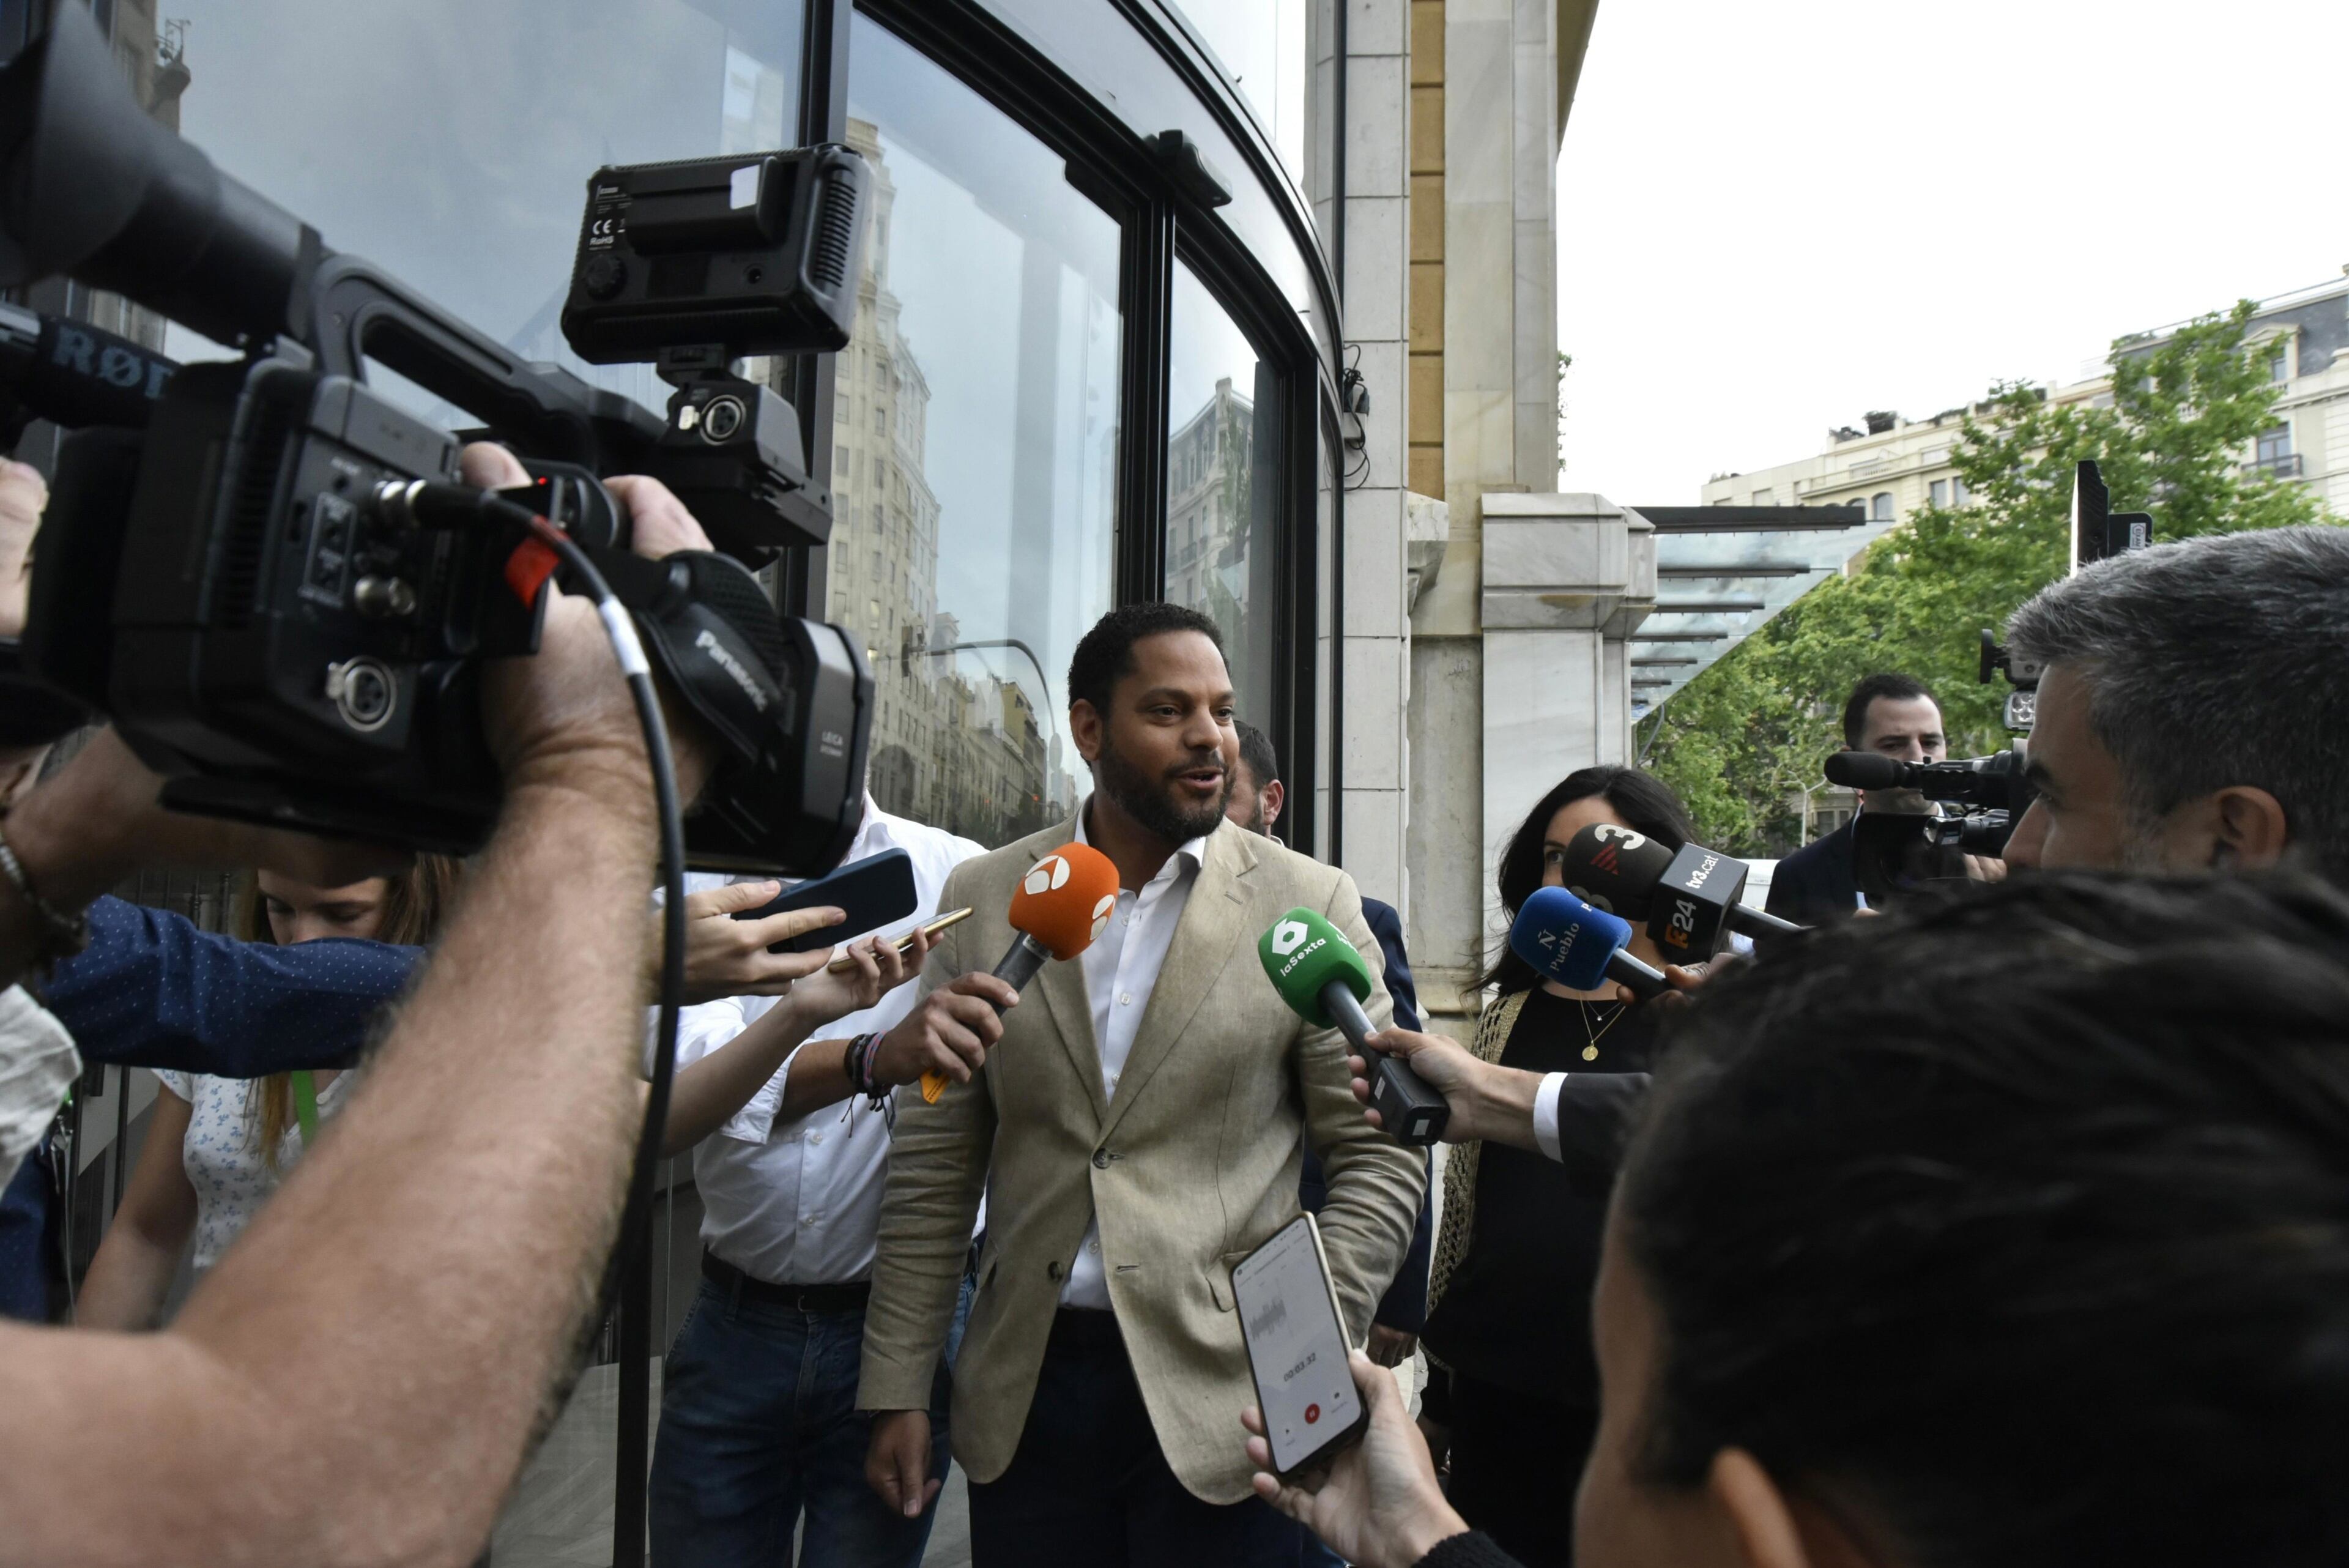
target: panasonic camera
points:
(262, 570)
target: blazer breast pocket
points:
(1219, 1277)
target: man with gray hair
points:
(2194, 708)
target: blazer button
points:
(1053, 1270)
(1101, 1159)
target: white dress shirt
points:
(38, 1064)
(1121, 971)
(798, 1202)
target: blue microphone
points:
(1580, 948)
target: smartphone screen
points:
(1297, 1346)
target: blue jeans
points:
(759, 1423)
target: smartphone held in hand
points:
(1296, 1348)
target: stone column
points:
(1374, 769)
(1566, 579)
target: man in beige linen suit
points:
(1137, 1130)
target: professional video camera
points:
(1895, 853)
(265, 571)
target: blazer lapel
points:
(1214, 921)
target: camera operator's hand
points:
(22, 496)
(658, 523)
(727, 956)
(876, 969)
(565, 708)
(1984, 868)
(1489, 1101)
(1378, 1506)
(950, 1031)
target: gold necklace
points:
(1590, 1052)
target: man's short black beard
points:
(1145, 799)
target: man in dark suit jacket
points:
(1256, 798)
(1897, 716)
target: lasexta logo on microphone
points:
(1288, 936)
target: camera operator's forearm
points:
(459, 1209)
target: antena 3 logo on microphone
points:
(1050, 872)
(1066, 898)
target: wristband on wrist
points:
(61, 935)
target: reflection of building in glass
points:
(961, 752)
(1210, 467)
(155, 62)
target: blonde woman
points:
(219, 1147)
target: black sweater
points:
(1516, 1312)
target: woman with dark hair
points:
(1512, 1392)
(220, 1147)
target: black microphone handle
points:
(1026, 956)
(1623, 967)
(1751, 922)
(1412, 1112)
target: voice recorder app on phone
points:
(1298, 1349)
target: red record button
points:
(1312, 1414)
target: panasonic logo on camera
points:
(732, 666)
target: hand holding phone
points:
(844, 963)
(873, 892)
(1296, 1349)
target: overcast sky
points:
(1774, 217)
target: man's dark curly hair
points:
(2015, 1224)
(1105, 655)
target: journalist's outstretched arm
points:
(357, 1378)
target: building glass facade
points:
(1081, 373)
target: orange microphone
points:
(1059, 907)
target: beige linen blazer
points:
(1191, 1167)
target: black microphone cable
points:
(626, 1274)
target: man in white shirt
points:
(759, 1421)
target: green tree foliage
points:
(1743, 737)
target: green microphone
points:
(1325, 982)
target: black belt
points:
(848, 1297)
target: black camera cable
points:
(430, 504)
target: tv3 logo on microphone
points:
(1605, 858)
(1679, 930)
